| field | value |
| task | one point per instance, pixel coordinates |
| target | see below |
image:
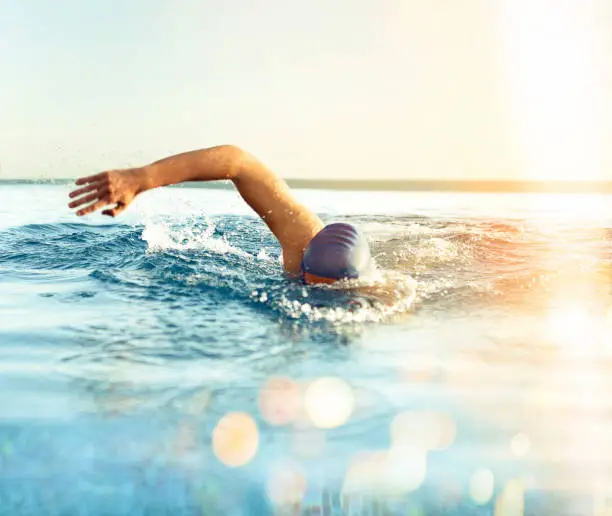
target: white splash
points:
(161, 236)
(375, 299)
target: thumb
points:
(113, 212)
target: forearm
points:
(214, 163)
(261, 188)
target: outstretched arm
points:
(292, 223)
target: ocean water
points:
(161, 363)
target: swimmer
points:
(314, 252)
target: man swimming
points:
(315, 252)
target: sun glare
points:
(573, 328)
(555, 87)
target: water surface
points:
(162, 363)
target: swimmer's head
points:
(339, 251)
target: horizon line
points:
(423, 185)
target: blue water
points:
(161, 363)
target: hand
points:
(118, 187)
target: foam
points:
(162, 235)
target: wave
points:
(421, 262)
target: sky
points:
(340, 89)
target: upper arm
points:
(292, 223)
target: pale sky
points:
(345, 89)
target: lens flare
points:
(280, 401)
(286, 485)
(511, 502)
(399, 470)
(482, 484)
(329, 402)
(235, 439)
(365, 475)
(406, 468)
(427, 430)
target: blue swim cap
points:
(338, 251)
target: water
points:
(160, 363)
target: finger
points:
(94, 207)
(89, 179)
(89, 188)
(88, 198)
(115, 211)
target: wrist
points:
(145, 177)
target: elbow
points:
(231, 149)
(237, 160)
